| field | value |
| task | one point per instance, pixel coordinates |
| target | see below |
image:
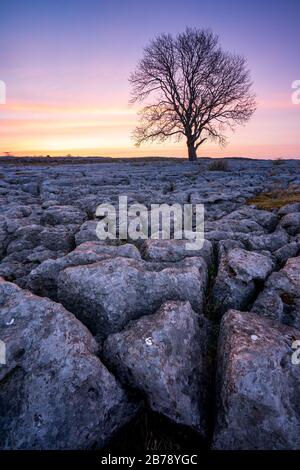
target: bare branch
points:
(196, 89)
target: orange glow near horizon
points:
(42, 129)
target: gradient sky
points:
(66, 65)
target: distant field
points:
(46, 161)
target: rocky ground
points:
(98, 334)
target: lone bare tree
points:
(197, 90)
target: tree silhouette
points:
(196, 90)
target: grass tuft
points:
(218, 165)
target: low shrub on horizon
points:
(218, 165)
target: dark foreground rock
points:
(44, 278)
(108, 294)
(258, 385)
(165, 355)
(280, 299)
(238, 274)
(54, 392)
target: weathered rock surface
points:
(250, 218)
(267, 219)
(174, 250)
(54, 392)
(249, 265)
(291, 223)
(280, 299)
(87, 232)
(289, 208)
(56, 215)
(108, 294)
(165, 355)
(238, 273)
(49, 245)
(258, 385)
(43, 279)
(269, 242)
(290, 250)
(17, 266)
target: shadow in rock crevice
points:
(151, 432)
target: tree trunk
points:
(192, 152)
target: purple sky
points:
(66, 66)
